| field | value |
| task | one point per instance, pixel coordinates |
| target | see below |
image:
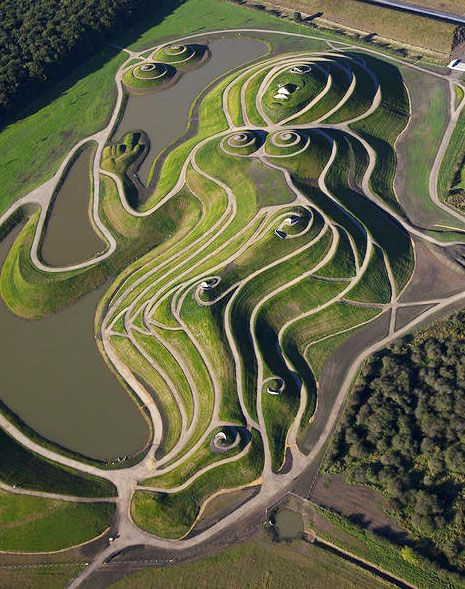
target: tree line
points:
(41, 40)
(404, 434)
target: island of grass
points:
(149, 75)
(181, 56)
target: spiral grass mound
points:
(180, 55)
(243, 143)
(287, 143)
(150, 74)
(293, 88)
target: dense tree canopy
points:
(404, 433)
(39, 39)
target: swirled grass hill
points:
(287, 245)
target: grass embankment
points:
(343, 264)
(362, 97)
(23, 468)
(198, 212)
(374, 287)
(35, 524)
(280, 410)
(383, 127)
(31, 293)
(196, 368)
(201, 459)
(246, 300)
(255, 565)
(152, 381)
(368, 546)
(208, 325)
(379, 224)
(172, 515)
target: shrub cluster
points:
(404, 433)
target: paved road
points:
(421, 10)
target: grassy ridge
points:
(381, 225)
(382, 127)
(153, 382)
(202, 458)
(374, 286)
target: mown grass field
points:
(391, 24)
(257, 565)
(454, 6)
(35, 524)
(51, 576)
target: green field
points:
(34, 524)
(257, 565)
(27, 470)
